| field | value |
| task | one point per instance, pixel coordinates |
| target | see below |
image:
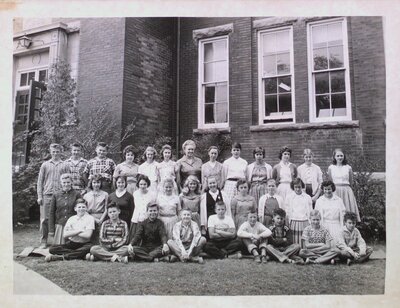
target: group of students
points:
(184, 210)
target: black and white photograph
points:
(189, 155)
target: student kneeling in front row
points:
(222, 233)
(77, 231)
(150, 240)
(113, 238)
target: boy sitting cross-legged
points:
(113, 238)
(254, 235)
(222, 233)
(280, 246)
(187, 242)
(150, 240)
(77, 232)
(352, 246)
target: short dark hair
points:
(259, 150)
(220, 203)
(152, 204)
(95, 177)
(121, 177)
(128, 149)
(236, 145)
(80, 200)
(279, 212)
(296, 181)
(328, 183)
(113, 204)
(213, 147)
(241, 182)
(283, 150)
(165, 147)
(350, 216)
(102, 144)
(142, 177)
(76, 145)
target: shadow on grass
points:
(215, 277)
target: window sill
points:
(301, 126)
(205, 131)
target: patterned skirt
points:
(230, 190)
(169, 222)
(346, 194)
(59, 235)
(297, 227)
(257, 190)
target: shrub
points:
(203, 142)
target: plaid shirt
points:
(77, 172)
(105, 167)
(110, 232)
(279, 234)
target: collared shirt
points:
(86, 222)
(208, 169)
(49, 177)
(331, 209)
(128, 170)
(266, 210)
(76, 169)
(316, 236)
(298, 206)
(186, 234)
(352, 240)
(310, 175)
(150, 233)
(234, 168)
(150, 170)
(281, 236)
(96, 202)
(185, 168)
(62, 207)
(141, 200)
(109, 232)
(105, 167)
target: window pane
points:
(338, 82)
(20, 109)
(338, 105)
(319, 34)
(42, 75)
(222, 93)
(208, 52)
(282, 41)
(208, 72)
(221, 112)
(269, 65)
(220, 71)
(270, 85)
(23, 80)
(322, 104)
(283, 63)
(285, 103)
(270, 104)
(320, 59)
(269, 45)
(21, 99)
(31, 76)
(209, 94)
(335, 34)
(220, 50)
(284, 84)
(209, 113)
(322, 83)
(336, 57)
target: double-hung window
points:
(276, 78)
(213, 108)
(329, 71)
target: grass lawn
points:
(215, 277)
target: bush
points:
(370, 196)
(203, 142)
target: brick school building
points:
(306, 82)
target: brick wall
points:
(149, 78)
(101, 57)
(367, 88)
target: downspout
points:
(178, 45)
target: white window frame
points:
(311, 78)
(201, 96)
(261, 87)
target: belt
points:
(233, 179)
(342, 184)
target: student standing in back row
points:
(49, 183)
(77, 165)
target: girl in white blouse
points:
(149, 168)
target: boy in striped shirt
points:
(113, 238)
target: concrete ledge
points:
(273, 22)
(58, 25)
(300, 126)
(205, 131)
(212, 31)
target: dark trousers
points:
(219, 249)
(71, 250)
(147, 253)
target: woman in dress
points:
(190, 197)
(166, 169)
(332, 210)
(211, 168)
(149, 168)
(341, 174)
(188, 164)
(123, 199)
(284, 172)
(258, 173)
(242, 204)
(128, 169)
(234, 168)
